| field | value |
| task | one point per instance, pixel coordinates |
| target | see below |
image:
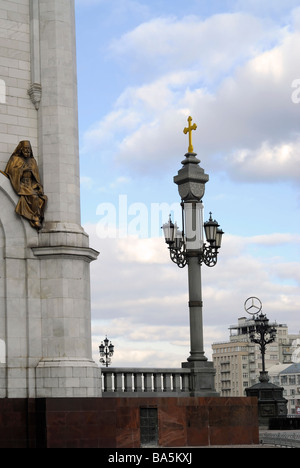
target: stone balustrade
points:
(144, 382)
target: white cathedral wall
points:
(20, 307)
(2, 319)
(18, 117)
(44, 291)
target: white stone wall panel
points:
(44, 285)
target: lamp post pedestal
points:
(270, 400)
(202, 378)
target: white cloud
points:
(86, 182)
(268, 7)
(248, 125)
(140, 299)
(280, 161)
(103, 133)
(275, 239)
(151, 250)
(210, 46)
(233, 73)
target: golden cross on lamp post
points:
(189, 130)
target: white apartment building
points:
(288, 377)
(238, 361)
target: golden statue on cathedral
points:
(22, 170)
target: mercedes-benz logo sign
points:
(253, 305)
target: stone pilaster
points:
(67, 368)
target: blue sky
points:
(143, 68)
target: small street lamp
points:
(106, 351)
(187, 247)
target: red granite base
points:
(115, 422)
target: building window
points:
(292, 380)
(283, 380)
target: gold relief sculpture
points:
(22, 170)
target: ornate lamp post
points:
(106, 351)
(261, 333)
(187, 247)
(271, 402)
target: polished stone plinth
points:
(115, 422)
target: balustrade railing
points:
(144, 381)
(281, 439)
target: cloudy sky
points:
(144, 66)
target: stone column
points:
(58, 114)
(67, 368)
